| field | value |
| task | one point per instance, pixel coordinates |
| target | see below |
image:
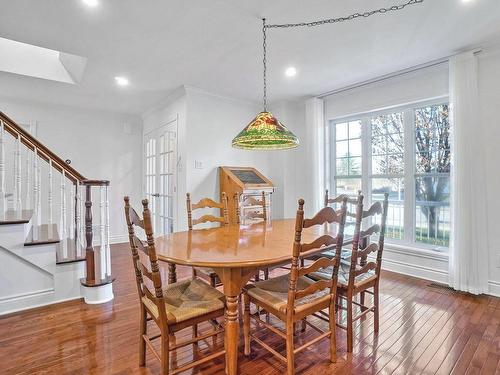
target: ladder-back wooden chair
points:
(357, 275)
(250, 209)
(351, 203)
(173, 307)
(293, 297)
(207, 274)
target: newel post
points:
(97, 285)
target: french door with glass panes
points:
(160, 184)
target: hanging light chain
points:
(264, 61)
(319, 23)
(346, 18)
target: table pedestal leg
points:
(233, 280)
(232, 335)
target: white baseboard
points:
(428, 273)
(494, 288)
(415, 270)
(121, 238)
(33, 301)
(21, 296)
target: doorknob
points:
(157, 195)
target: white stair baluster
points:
(51, 193)
(72, 215)
(27, 182)
(102, 228)
(3, 201)
(39, 191)
(79, 233)
(108, 249)
(62, 221)
(17, 176)
(35, 182)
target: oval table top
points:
(253, 245)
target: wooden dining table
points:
(235, 252)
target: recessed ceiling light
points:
(91, 3)
(467, 1)
(291, 72)
(121, 81)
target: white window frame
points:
(409, 175)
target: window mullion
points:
(409, 172)
(366, 135)
(333, 159)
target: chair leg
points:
(266, 273)
(333, 333)
(362, 298)
(290, 356)
(164, 353)
(143, 331)
(376, 311)
(349, 324)
(213, 282)
(246, 322)
(195, 334)
(172, 273)
(303, 326)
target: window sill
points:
(417, 251)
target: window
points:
(432, 175)
(348, 157)
(406, 153)
(387, 175)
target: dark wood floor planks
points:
(423, 330)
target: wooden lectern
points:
(246, 181)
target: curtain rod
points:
(402, 72)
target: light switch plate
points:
(198, 164)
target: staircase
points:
(48, 254)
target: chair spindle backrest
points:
(351, 201)
(324, 242)
(207, 203)
(142, 271)
(243, 210)
(359, 264)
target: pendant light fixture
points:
(266, 132)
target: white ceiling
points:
(216, 45)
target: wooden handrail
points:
(44, 152)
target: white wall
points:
(294, 183)
(97, 145)
(207, 124)
(415, 86)
(213, 121)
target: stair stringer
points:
(12, 239)
(29, 276)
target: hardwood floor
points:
(423, 330)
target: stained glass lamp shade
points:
(265, 132)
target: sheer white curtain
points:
(468, 263)
(315, 146)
